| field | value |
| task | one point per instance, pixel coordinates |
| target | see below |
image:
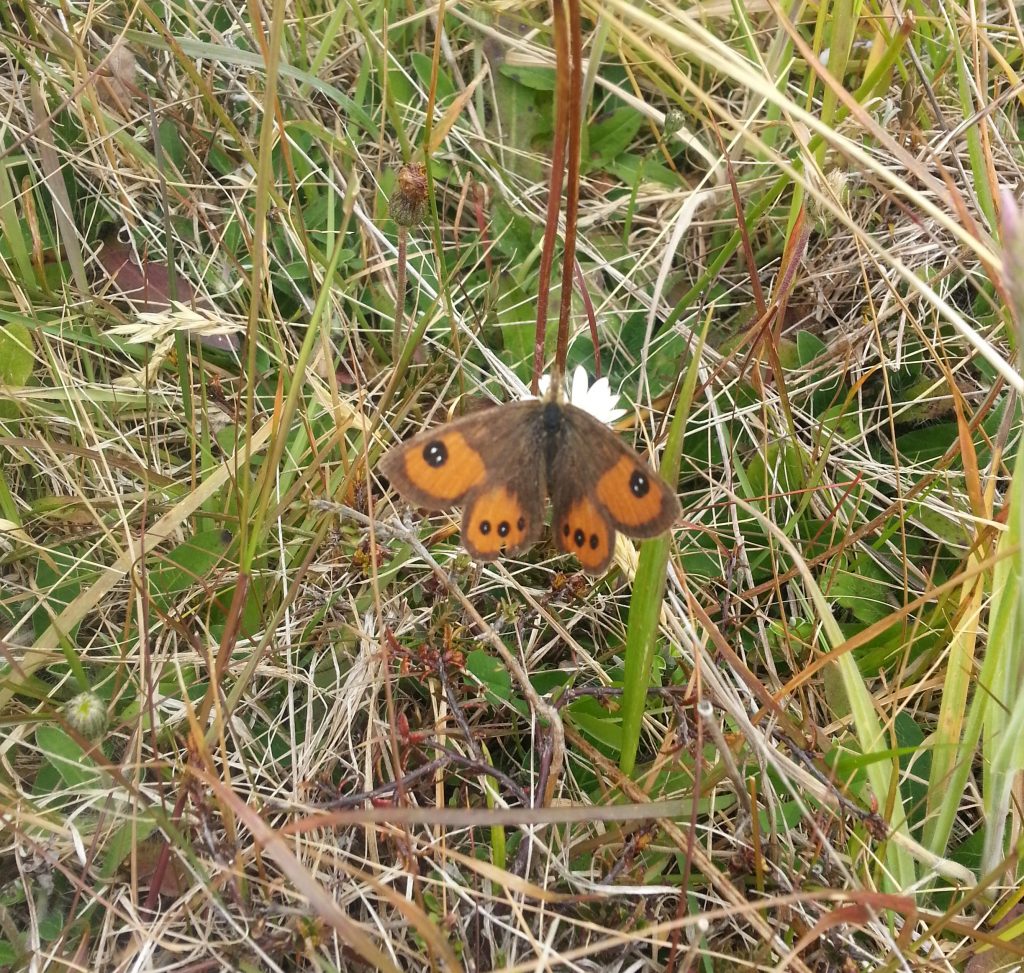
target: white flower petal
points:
(579, 393)
(597, 399)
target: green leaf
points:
(60, 576)
(16, 362)
(928, 444)
(67, 758)
(629, 167)
(171, 145)
(537, 79)
(863, 589)
(9, 956)
(808, 347)
(423, 67)
(52, 920)
(520, 117)
(190, 564)
(515, 319)
(649, 586)
(124, 838)
(610, 137)
(16, 357)
(915, 765)
(402, 90)
(603, 727)
(493, 676)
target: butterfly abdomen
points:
(552, 417)
(553, 438)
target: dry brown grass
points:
(321, 726)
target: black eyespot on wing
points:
(503, 528)
(435, 453)
(485, 527)
(639, 485)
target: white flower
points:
(597, 399)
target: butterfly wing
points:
(581, 527)
(638, 501)
(491, 461)
(437, 468)
(602, 485)
(502, 518)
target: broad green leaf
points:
(536, 79)
(67, 758)
(60, 576)
(423, 67)
(609, 138)
(602, 726)
(16, 362)
(493, 676)
(195, 563)
(862, 588)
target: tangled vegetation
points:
(260, 714)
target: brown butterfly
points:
(501, 463)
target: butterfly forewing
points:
(437, 468)
(628, 492)
(639, 502)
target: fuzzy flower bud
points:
(674, 119)
(87, 714)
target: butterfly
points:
(501, 463)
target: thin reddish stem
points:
(547, 253)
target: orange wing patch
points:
(440, 468)
(637, 501)
(494, 523)
(584, 531)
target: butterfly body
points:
(502, 463)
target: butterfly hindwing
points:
(581, 528)
(502, 519)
